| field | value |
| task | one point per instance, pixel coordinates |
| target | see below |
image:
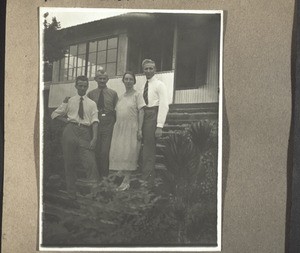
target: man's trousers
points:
(105, 130)
(149, 142)
(75, 142)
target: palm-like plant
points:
(191, 166)
(181, 159)
(180, 155)
(204, 137)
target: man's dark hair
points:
(81, 78)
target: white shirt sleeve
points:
(163, 106)
(60, 111)
(94, 113)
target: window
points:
(103, 53)
(197, 52)
(86, 58)
(192, 57)
(158, 47)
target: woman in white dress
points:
(127, 134)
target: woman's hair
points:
(130, 73)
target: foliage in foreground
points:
(180, 209)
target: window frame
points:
(87, 67)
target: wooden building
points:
(185, 47)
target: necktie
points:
(145, 94)
(101, 100)
(80, 110)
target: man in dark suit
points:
(106, 100)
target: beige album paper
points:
(249, 63)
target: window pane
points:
(112, 43)
(82, 48)
(92, 58)
(92, 70)
(65, 60)
(102, 45)
(112, 55)
(101, 57)
(73, 50)
(81, 60)
(79, 72)
(77, 62)
(70, 64)
(111, 69)
(93, 46)
(73, 62)
(71, 74)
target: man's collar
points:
(102, 88)
(84, 97)
(151, 79)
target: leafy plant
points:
(191, 167)
(53, 41)
(203, 134)
(182, 213)
(54, 48)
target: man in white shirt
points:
(80, 113)
(155, 113)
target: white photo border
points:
(220, 134)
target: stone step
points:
(168, 127)
(160, 166)
(166, 134)
(190, 116)
(160, 159)
(190, 107)
(160, 145)
(187, 110)
(159, 148)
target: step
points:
(160, 158)
(159, 148)
(188, 110)
(196, 115)
(160, 166)
(188, 121)
(189, 106)
(168, 127)
(160, 145)
(193, 110)
(168, 133)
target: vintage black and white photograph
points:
(130, 129)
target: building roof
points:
(133, 21)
